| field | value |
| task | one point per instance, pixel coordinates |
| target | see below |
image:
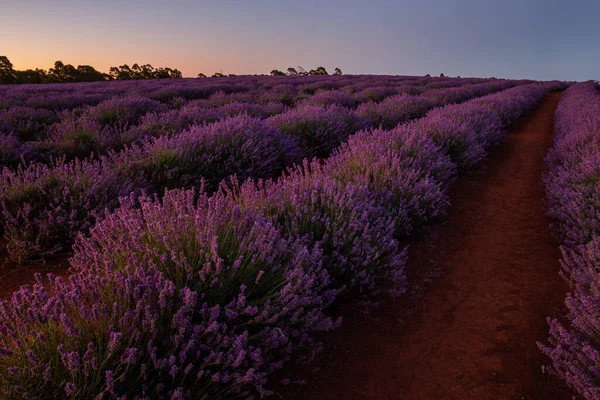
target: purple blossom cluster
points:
(181, 293)
(573, 192)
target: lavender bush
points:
(12, 150)
(330, 97)
(43, 207)
(404, 170)
(170, 122)
(79, 136)
(393, 110)
(317, 129)
(187, 292)
(238, 145)
(28, 123)
(573, 191)
(122, 111)
(354, 235)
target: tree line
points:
(300, 71)
(291, 71)
(62, 72)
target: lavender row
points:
(573, 191)
(127, 118)
(319, 122)
(203, 296)
(68, 96)
(246, 146)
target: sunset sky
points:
(540, 39)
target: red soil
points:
(471, 334)
(12, 275)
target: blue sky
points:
(516, 39)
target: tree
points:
(122, 73)
(320, 71)
(337, 71)
(301, 71)
(428, 76)
(7, 73)
(87, 73)
(201, 75)
(292, 71)
(167, 73)
(442, 75)
(218, 75)
(31, 76)
(56, 73)
(277, 72)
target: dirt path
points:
(473, 331)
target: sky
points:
(535, 39)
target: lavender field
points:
(213, 227)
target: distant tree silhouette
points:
(320, 71)
(7, 73)
(31, 76)
(218, 75)
(337, 71)
(277, 72)
(292, 71)
(123, 72)
(442, 75)
(201, 75)
(87, 73)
